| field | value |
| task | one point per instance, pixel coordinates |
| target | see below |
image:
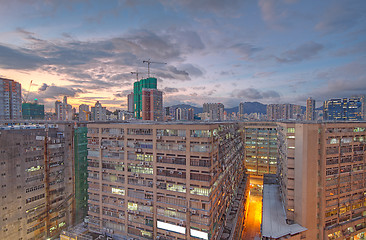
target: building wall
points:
(154, 180)
(35, 196)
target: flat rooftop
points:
(274, 217)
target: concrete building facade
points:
(165, 181)
(36, 177)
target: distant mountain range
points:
(249, 107)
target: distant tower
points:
(310, 109)
(130, 102)
(241, 110)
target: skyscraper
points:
(10, 99)
(149, 83)
(152, 104)
(310, 109)
(130, 104)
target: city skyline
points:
(229, 52)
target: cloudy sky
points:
(270, 51)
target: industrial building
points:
(260, 147)
(36, 176)
(321, 175)
(166, 181)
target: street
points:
(254, 219)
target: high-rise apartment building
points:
(98, 112)
(130, 102)
(260, 150)
(84, 112)
(148, 83)
(283, 111)
(310, 109)
(152, 104)
(33, 110)
(10, 99)
(214, 110)
(166, 181)
(322, 178)
(344, 109)
(63, 110)
(36, 179)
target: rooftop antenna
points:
(148, 65)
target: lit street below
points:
(254, 218)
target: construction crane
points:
(137, 74)
(25, 98)
(148, 65)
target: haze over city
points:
(279, 51)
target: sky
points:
(232, 51)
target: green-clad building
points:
(81, 173)
(137, 91)
(33, 110)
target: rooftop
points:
(274, 217)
